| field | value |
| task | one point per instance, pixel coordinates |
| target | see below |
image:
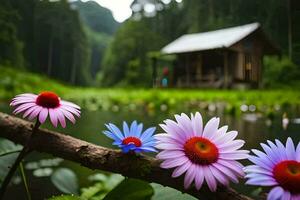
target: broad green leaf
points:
(65, 180)
(131, 189)
(5, 163)
(162, 193)
(7, 147)
(66, 197)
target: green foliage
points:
(13, 82)
(280, 72)
(99, 26)
(52, 35)
(65, 180)
(102, 185)
(163, 193)
(8, 154)
(98, 43)
(97, 18)
(17, 81)
(66, 197)
(131, 44)
(131, 189)
(10, 46)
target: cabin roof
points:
(222, 38)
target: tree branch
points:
(97, 157)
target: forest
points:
(51, 37)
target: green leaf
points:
(162, 193)
(65, 180)
(7, 147)
(131, 189)
(92, 191)
(66, 197)
(5, 163)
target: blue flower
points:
(133, 138)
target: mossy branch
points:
(97, 157)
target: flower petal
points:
(211, 127)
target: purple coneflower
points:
(207, 154)
(278, 167)
(43, 104)
(39, 106)
(133, 138)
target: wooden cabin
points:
(225, 58)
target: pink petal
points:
(67, 103)
(189, 176)
(199, 177)
(209, 178)
(68, 115)
(169, 146)
(185, 123)
(290, 149)
(170, 163)
(35, 112)
(226, 137)
(61, 117)
(233, 165)
(181, 169)
(53, 117)
(43, 115)
(30, 110)
(232, 176)
(220, 177)
(275, 193)
(166, 138)
(17, 102)
(197, 124)
(23, 107)
(174, 130)
(211, 128)
(71, 110)
(237, 155)
(169, 154)
(231, 146)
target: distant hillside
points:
(99, 26)
(96, 17)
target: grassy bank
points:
(229, 101)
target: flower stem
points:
(23, 153)
(24, 180)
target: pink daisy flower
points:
(43, 104)
(204, 154)
(278, 167)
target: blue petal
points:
(139, 130)
(115, 130)
(147, 135)
(148, 149)
(111, 135)
(133, 128)
(150, 144)
(125, 129)
(127, 148)
(118, 143)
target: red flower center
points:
(132, 140)
(201, 151)
(48, 100)
(287, 174)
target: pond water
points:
(253, 128)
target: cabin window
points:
(248, 67)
